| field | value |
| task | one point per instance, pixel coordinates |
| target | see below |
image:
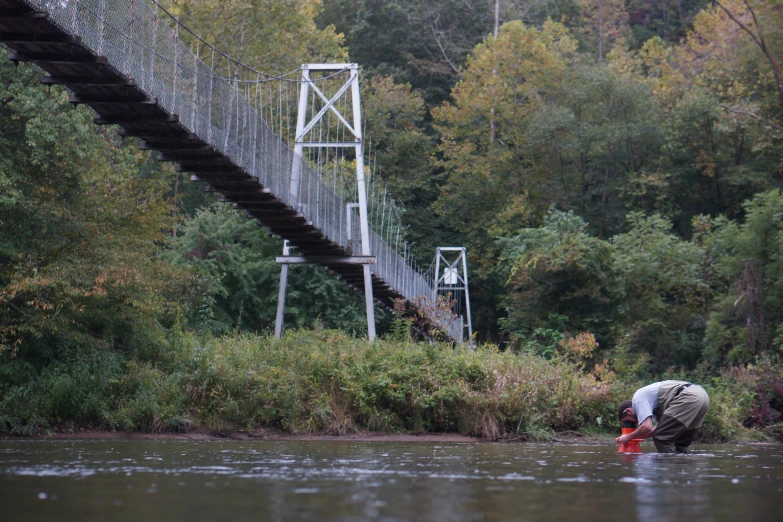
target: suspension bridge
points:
(282, 148)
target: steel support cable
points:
(130, 41)
(136, 52)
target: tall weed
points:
(325, 381)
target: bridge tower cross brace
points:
(303, 126)
(454, 277)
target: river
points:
(147, 480)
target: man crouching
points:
(678, 406)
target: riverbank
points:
(449, 438)
(276, 435)
(326, 383)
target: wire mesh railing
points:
(227, 111)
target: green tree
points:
(237, 257)
(604, 22)
(484, 192)
(559, 279)
(661, 292)
(420, 43)
(79, 231)
(715, 156)
(646, 289)
(747, 317)
(401, 151)
(706, 84)
(427, 43)
(483, 132)
(742, 40)
(669, 21)
(595, 144)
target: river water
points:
(147, 480)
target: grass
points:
(327, 382)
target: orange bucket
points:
(632, 446)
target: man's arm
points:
(644, 431)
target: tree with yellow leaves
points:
(270, 35)
(504, 83)
(606, 23)
(735, 51)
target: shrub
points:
(326, 381)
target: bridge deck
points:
(119, 100)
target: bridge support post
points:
(453, 280)
(281, 293)
(303, 127)
(362, 190)
(301, 120)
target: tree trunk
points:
(492, 110)
(603, 191)
(583, 176)
(601, 31)
(497, 18)
(174, 205)
(752, 286)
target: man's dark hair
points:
(621, 408)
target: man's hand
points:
(644, 431)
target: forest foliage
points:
(614, 169)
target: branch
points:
(754, 116)
(760, 42)
(443, 51)
(743, 26)
(756, 23)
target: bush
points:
(752, 397)
(325, 382)
(329, 382)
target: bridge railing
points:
(141, 45)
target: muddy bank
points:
(569, 438)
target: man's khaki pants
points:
(677, 426)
